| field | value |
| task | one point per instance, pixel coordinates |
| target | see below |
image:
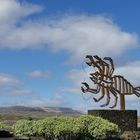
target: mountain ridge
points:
(48, 110)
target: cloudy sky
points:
(43, 44)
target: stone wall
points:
(126, 120)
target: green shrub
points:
(101, 129)
(45, 127)
(2, 126)
(63, 126)
(83, 127)
(94, 127)
(24, 128)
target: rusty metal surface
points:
(107, 83)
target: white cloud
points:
(55, 101)
(6, 79)
(14, 91)
(11, 86)
(79, 35)
(20, 91)
(77, 76)
(12, 10)
(39, 74)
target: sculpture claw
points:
(83, 90)
(85, 87)
(85, 84)
(89, 60)
(107, 58)
(103, 105)
(95, 99)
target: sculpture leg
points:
(103, 93)
(107, 99)
(116, 98)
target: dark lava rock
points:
(5, 134)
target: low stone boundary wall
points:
(126, 119)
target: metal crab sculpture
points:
(108, 83)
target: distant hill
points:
(10, 115)
(13, 113)
(19, 108)
(47, 110)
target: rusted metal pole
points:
(122, 102)
(122, 96)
